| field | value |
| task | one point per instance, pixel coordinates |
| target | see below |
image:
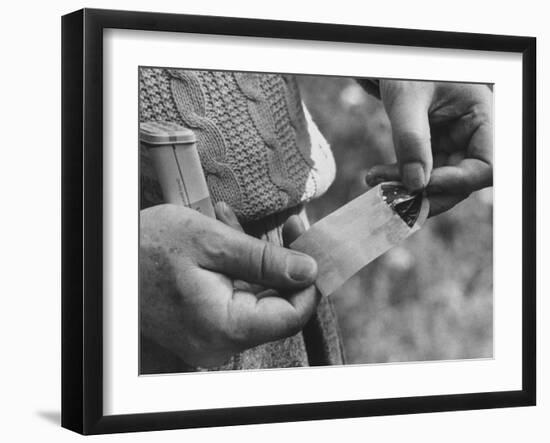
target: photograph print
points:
(291, 221)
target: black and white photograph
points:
(243, 221)
(291, 221)
(279, 221)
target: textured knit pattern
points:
(260, 150)
(192, 107)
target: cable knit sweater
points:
(262, 154)
(259, 148)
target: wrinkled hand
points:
(201, 284)
(443, 138)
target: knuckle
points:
(480, 113)
(479, 117)
(260, 260)
(411, 138)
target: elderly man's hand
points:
(443, 138)
(202, 284)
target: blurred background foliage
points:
(430, 298)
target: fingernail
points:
(413, 176)
(300, 267)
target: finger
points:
(467, 176)
(225, 214)
(260, 320)
(292, 229)
(244, 257)
(407, 109)
(382, 173)
(440, 203)
(471, 173)
(481, 141)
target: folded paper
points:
(354, 235)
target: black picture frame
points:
(82, 220)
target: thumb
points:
(244, 257)
(407, 104)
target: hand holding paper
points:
(199, 280)
(360, 231)
(443, 139)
